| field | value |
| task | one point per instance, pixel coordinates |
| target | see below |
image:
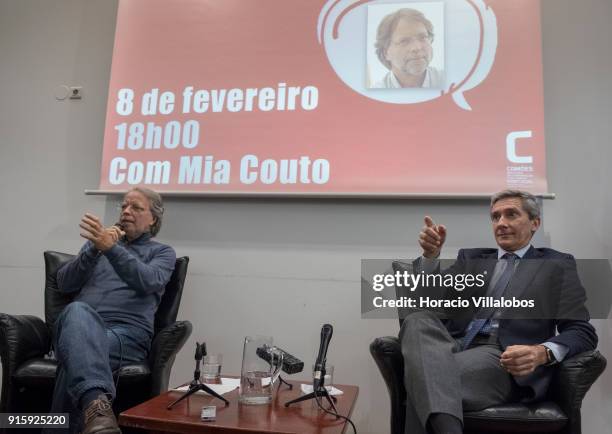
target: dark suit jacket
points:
(550, 279)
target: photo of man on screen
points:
(404, 46)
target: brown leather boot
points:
(99, 417)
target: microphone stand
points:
(196, 384)
(317, 392)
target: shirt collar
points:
(141, 239)
(392, 81)
(520, 252)
(427, 79)
(395, 84)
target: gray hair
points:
(156, 206)
(529, 202)
(387, 27)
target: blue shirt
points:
(125, 283)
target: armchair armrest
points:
(572, 380)
(387, 354)
(574, 377)
(22, 337)
(167, 343)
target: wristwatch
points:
(550, 357)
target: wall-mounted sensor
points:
(76, 92)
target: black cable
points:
(318, 399)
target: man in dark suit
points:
(493, 355)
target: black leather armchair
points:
(560, 413)
(28, 373)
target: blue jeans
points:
(88, 351)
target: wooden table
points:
(184, 418)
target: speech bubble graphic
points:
(470, 44)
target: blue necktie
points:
(500, 286)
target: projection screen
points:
(326, 97)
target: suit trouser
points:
(440, 378)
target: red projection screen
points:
(326, 98)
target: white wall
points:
(279, 267)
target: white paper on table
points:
(307, 388)
(227, 385)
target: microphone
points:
(291, 364)
(319, 370)
(121, 228)
(198, 359)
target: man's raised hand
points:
(431, 238)
(93, 230)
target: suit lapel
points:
(487, 266)
(526, 270)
